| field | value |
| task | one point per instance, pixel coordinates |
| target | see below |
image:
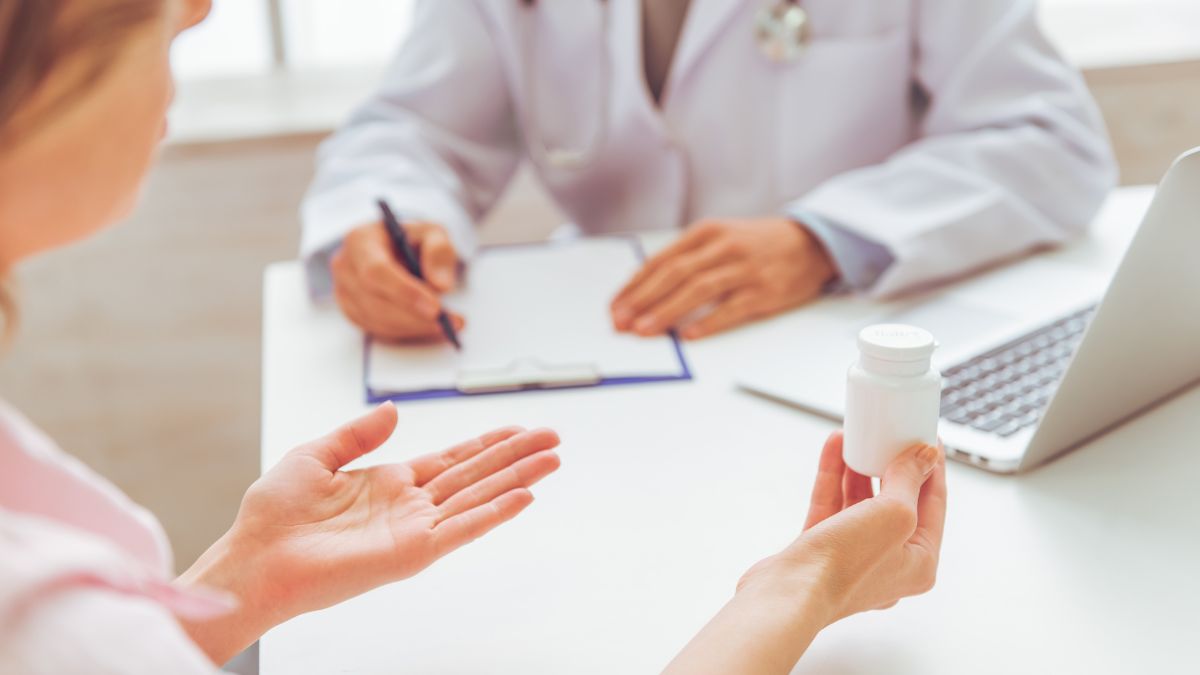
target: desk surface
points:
(669, 492)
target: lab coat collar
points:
(703, 24)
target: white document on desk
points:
(537, 317)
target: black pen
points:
(408, 257)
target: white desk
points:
(669, 492)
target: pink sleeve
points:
(92, 629)
(84, 573)
(71, 602)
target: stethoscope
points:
(781, 29)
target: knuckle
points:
(898, 516)
(734, 248)
(762, 276)
(671, 272)
(377, 274)
(437, 239)
(406, 293)
(705, 287)
(745, 308)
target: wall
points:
(139, 350)
(1153, 113)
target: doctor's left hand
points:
(310, 534)
(721, 274)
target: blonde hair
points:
(36, 38)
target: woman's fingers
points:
(856, 487)
(428, 467)
(931, 509)
(353, 440)
(473, 524)
(522, 474)
(827, 495)
(495, 458)
(903, 478)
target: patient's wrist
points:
(804, 589)
(229, 566)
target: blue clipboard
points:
(537, 377)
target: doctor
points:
(804, 145)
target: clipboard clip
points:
(524, 374)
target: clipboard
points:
(538, 317)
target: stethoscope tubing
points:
(542, 153)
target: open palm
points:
(322, 535)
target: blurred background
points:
(149, 370)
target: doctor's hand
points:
(859, 551)
(723, 273)
(377, 293)
(310, 533)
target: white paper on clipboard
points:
(537, 316)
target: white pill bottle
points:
(893, 396)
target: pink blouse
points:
(85, 574)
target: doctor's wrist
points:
(818, 257)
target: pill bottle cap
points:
(896, 343)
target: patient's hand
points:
(309, 535)
(868, 551)
(859, 551)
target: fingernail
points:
(928, 458)
(621, 316)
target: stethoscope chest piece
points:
(782, 31)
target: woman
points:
(84, 573)
(904, 143)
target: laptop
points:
(1021, 394)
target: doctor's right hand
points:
(377, 293)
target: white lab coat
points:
(949, 131)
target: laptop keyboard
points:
(1007, 389)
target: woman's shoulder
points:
(41, 480)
